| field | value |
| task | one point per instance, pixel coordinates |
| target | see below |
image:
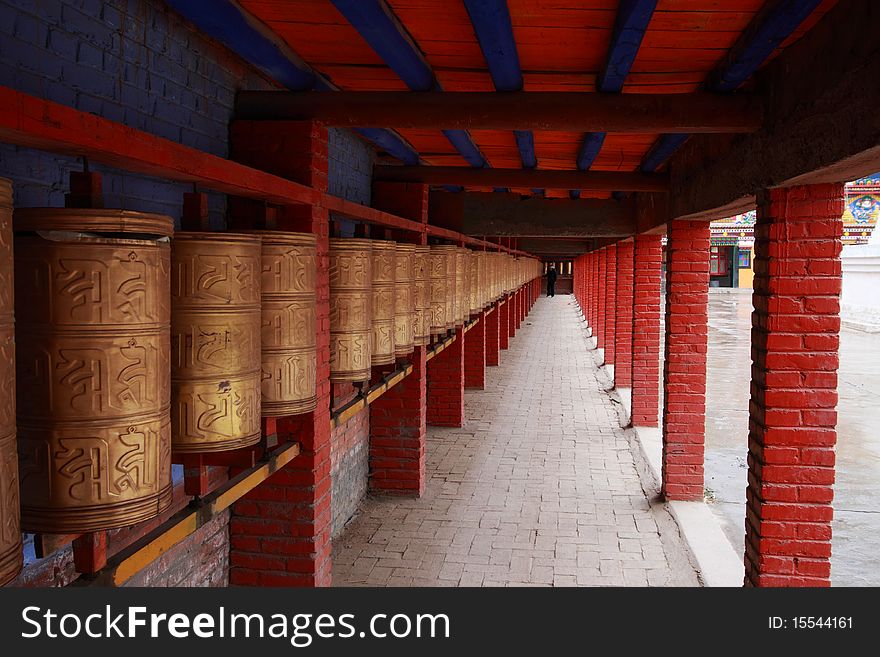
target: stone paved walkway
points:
(539, 488)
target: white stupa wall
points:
(860, 298)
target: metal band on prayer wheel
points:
(92, 368)
(288, 323)
(404, 301)
(350, 309)
(215, 341)
(438, 294)
(10, 526)
(382, 352)
(421, 298)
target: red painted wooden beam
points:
(522, 110)
(602, 181)
(35, 123)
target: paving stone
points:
(539, 488)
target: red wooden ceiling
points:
(562, 45)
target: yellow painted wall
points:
(747, 275)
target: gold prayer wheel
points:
(404, 301)
(288, 317)
(421, 296)
(438, 294)
(91, 289)
(474, 282)
(10, 524)
(350, 309)
(215, 341)
(382, 272)
(462, 308)
(447, 253)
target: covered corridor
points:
(538, 487)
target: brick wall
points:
(139, 63)
(201, 559)
(349, 468)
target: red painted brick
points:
(623, 331)
(647, 257)
(687, 282)
(475, 355)
(445, 384)
(602, 294)
(303, 519)
(610, 304)
(794, 352)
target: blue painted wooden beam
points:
(463, 143)
(590, 148)
(661, 150)
(380, 28)
(776, 21)
(771, 26)
(251, 41)
(494, 30)
(630, 25)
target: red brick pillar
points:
(475, 354)
(647, 267)
(588, 289)
(397, 433)
(610, 302)
(623, 316)
(398, 430)
(511, 315)
(594, 293)
(520, 306)
(504, 324)
(280, 531)
(446, 385)
(795, 326)
(493, 334)
(684, 376)
(600, 307)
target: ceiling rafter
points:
(256, 44)
(768, 29)
(494, 30)
(630, 25)
(379, 27)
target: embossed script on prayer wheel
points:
(383, 268)
(438, 293)
(421, 298)
(92, 363)
(10, 529)
(215, 341)
(288, 323)
(462, 310)
(473, 262)
(350, 309)
(404, 301)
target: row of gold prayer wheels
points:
(387, 298)
(134, 342)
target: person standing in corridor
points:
(551, 281)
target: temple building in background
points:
(733, 238)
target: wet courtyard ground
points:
(856, 529)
